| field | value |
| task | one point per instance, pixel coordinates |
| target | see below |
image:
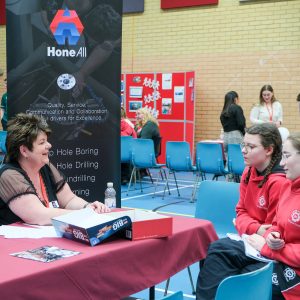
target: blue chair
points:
(248, 286)
(178, 159)
(143, 157)
(210, 159)
(216, 202)
(126, 142)
(3, 135)
(175, 296)
(235, 161)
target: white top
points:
(261, 114)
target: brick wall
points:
(232, 46)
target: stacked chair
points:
(178, 159)
(143, 157)
(235, 161)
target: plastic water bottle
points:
(110, 196)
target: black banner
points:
(64, 63)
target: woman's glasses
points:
(248, 147)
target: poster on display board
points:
(66, 68)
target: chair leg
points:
(133, 172)
(191, 280)
(166, 185)
(164, 172)
(159, 174)
(195, 188)
(167, 286)
(140, 180)
(148, 172)
(176, 183)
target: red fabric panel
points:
(165, 4)
(2, 12)
(111, 270)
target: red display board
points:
(2, 12)
(167, 4)
(171, 98)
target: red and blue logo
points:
(66, 26)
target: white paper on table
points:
(11, 232)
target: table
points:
(111, 270)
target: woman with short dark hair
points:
(31, 188)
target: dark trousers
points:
(225, 258)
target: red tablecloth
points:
(111, 270)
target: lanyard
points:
(270, 112)
(44, 192)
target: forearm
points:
(76, 203)
(44, 216)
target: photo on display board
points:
(135, 105)
(136, 91)
(166, 106)
(179, 94)
(167, 81)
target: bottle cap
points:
(110, 184)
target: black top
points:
(151, 131)
(235, 120)
(14, 182)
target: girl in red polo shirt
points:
(281, 242)
(259, 193)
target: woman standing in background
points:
(269, 109)
(233, 120)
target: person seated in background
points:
(269, 109)
(233, 120)
(260, 187)
(31, 188)
(127, 127)
(147, 127)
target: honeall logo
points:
(66, 25)
(66, 28)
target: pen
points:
(274, 236)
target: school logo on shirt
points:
(295, 217)
(262, 202)
(289, 274)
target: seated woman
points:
(259, 193)
(31, 188)
(147, 127)
(127, 127)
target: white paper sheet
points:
(11, 232)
